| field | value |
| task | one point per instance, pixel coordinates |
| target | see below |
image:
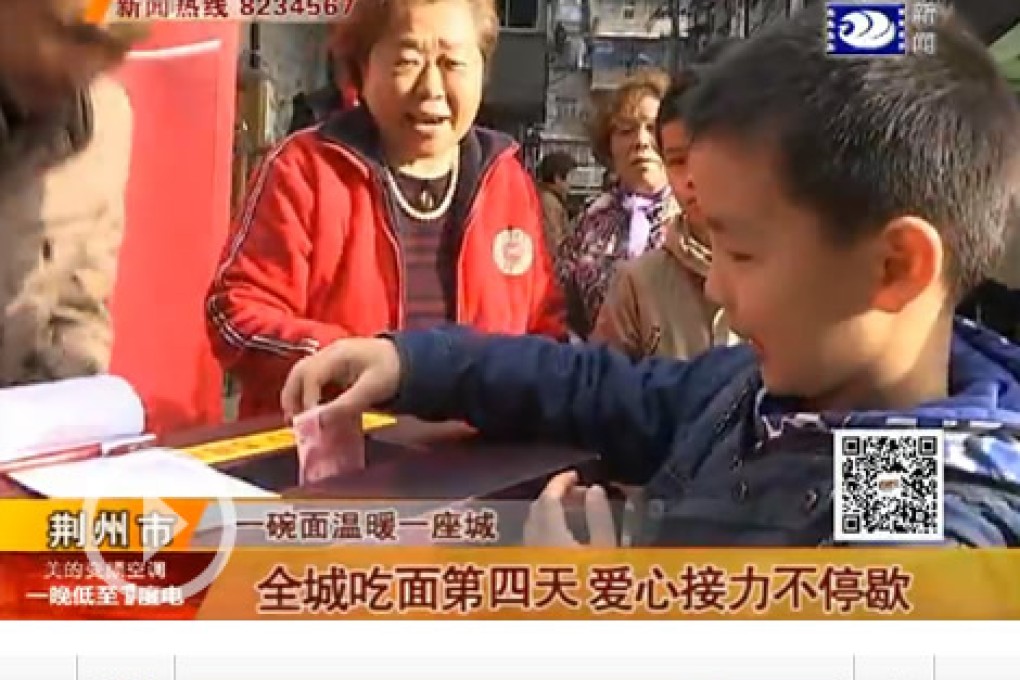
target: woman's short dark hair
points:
(555, 165)
(356, 34)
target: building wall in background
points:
(630, 17)
(293, 57)
(568, 104)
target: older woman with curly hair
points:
(65, 137)
(629, 218)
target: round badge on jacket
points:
(513, 251)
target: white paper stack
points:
(67, 413)
(98, 412)
(151, 473)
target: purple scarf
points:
(645, 219)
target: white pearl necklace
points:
(425, 215)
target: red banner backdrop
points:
(181, 82)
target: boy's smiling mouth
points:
(426, 121)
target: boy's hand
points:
(547, 526)
(368, 370)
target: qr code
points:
(889, 485)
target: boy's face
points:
(675, 149)
(805, 304)
(423, 80)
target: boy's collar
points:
(980, 417)
(981, 362)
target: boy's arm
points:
(528, 388)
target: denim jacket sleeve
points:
(528, 388)
(982, 517)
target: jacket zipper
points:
(398, 251)
(390, 227)
(469, 222)
(394, 239)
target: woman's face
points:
(423, 80)
(632, 146)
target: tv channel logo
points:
(874, 29)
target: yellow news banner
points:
(519, 583)
(32, 525)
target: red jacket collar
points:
(356, 131)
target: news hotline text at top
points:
(298, 11)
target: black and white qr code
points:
(888, 485)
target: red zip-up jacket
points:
(315, 255)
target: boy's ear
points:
(912, 260)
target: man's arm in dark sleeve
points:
(532, 388)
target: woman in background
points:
(311, 108)
(65, 140)
(628, 219)
(657, 305)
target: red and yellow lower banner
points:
(497, 583)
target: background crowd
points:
(387, 207)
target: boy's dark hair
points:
(715, 49)
(555, 165)
(672, 106)
(864, 140)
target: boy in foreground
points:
(873, 194)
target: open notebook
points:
(85, 438)
(149, 473)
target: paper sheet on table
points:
(152, 473)
(67, 412)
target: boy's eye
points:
(740, 257)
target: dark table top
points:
(409, 460)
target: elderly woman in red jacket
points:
(399, 213)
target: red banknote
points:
(327, 450)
